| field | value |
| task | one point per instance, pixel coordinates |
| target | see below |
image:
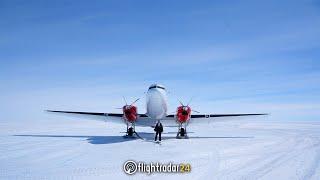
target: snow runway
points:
(68, 149)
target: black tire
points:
(130, 131)
(182, 132)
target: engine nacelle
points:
(130, 113)
(183, 114)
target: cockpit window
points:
(156, 86)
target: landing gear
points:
(130, 129)
(182, 132)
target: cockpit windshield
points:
(157, 86)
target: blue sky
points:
(231, 56)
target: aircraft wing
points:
(88, 113)
(193, 116)
(144, 120)
(106, 117)
(207, 118)
(222, 115)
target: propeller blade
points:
(190, 101)
(135, 101)
(125, 100)
(180, 102)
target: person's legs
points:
(160, 136)
(155, 138)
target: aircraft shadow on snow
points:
(118, 139)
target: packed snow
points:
(244, 149)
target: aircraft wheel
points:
(130, 131)
(182, 132)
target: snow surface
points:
(69, 149)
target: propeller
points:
(190, 101)
(134, 101)
(188, 105)
(124, 99)
(180, 102)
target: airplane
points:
(157, 111)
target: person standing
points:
(158, 129)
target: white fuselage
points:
(156, 102)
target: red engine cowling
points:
(183, 114)
(130, 113)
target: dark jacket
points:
(158, 127)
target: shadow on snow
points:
(119, 139)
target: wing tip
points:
(264, 114)
(47, 110)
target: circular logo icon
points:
(130, 167)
